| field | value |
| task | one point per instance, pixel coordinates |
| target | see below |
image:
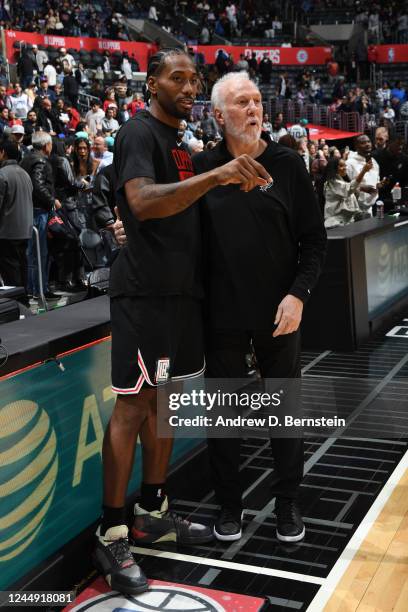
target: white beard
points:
(251, 134)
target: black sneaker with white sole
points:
(228, 526)
(289, 523)
(113, 559)
(166, 526)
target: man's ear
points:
(219, 116)
(152, 85)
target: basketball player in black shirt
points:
(155, 308)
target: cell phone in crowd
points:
(368, 157)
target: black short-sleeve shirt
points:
(162, 256)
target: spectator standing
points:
(127, 68)
(381, 139)
(48, 119)
(393, 164)
(94, 118)
(4, 120)
(30, 126)
(16, 217)
(17, 134)
(209, 126)
(388, 114)
(84, 167)
(368, 188)
(384, 94)
(25, 68)
(66, 252)
(67, 58)
(71, 86)
(41, 58)
(298, 130)
(38, 167)
(341, 207)
(19, 102)
(278, 129)
(109, 124)
(44, 91)
(51, 74)
(101, 155)
(266, 124)
(81, 76)
(242, 63)
(265, 68)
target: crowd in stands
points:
(58, 156)
(385, 23)
(231, 20)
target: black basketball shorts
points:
(154, 340)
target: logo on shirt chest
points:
(183, 163)
(264, 188)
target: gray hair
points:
(40, 139)
(235, 78)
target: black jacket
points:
(103, 197)
(45, 118)
(71, 88)
(40, 171)
(16, 207)
(66, 186)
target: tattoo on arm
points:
(149, 200)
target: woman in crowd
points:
(110, 100)
(84, 167)
(65, 249)
(341, 204)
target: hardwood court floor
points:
(377, 578)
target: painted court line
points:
(240, 567)
(329, 585)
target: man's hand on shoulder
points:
(288, 316)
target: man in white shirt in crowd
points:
(19, 102)
(94, 118)
(66, 57)
(41, 57)
(51, 74)
(109, 124)
(370, 184)
(278, 128)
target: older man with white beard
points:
(265, 250)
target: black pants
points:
(277, 358)
(13, 262)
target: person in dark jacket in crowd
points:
(16, 217)
(393, 164)
(265, 68)
(65, 248)
(48, 119)
(37, 165)
(30, 126)
(25, 68)
(71, 87)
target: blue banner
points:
(51, 431)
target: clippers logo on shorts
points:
(162, 370)
(183, 163)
